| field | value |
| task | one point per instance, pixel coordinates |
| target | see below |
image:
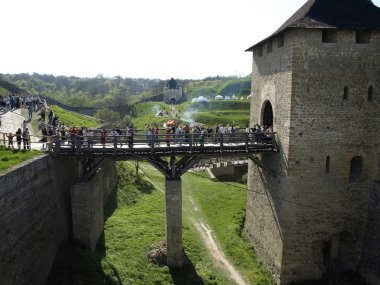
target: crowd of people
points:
(52, 129)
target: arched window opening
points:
(267, 114)
(345, 93)
(327, 164)
(370, 93)
(356, 169)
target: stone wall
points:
(370, 262)
(311, 215)
(88, 201)
(35, 217)
(228, 171)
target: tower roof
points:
(333, 14)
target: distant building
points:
(172, 92)
(219, 97)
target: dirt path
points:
(216, 253)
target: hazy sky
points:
(187, 39)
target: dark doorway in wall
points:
(267, 114)
(356, 169)
(172, 101)
(370, 93)
(327, 164)
(326, 252)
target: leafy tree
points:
(108, 116)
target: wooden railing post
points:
(221, 142)
(152, 143)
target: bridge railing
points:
(153, 142)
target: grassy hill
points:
(223, 86)
(107, 92)
(205, 113)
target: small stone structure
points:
(316, 80)
(173, 92)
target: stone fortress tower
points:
(172, 92)
(317, 81)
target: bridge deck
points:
(240, 146)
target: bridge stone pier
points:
(89, 194)
(173, 199)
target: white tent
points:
(219, 97)
(199, 99)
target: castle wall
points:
(324, 124)
(271, 80)
(35, 217)
(370, 261)
(319, 133)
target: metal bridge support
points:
(173, 199)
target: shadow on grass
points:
(76, 265)
(186, 275)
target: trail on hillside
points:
(206, 233)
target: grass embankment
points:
(10, 157)
(206, 113)
(135, 223)
(74, 119)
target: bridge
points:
(172, 156)
(155, 148)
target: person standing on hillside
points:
(10, 137)
(44, 136)
(25, 139)
(50, 117)
(30, 110)
(24, 124)
(19, 138)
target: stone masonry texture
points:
(35, 215)
(324, 118)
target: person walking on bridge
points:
(114, 135)
(103, 136)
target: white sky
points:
(187, 39)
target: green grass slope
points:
(135, 224)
